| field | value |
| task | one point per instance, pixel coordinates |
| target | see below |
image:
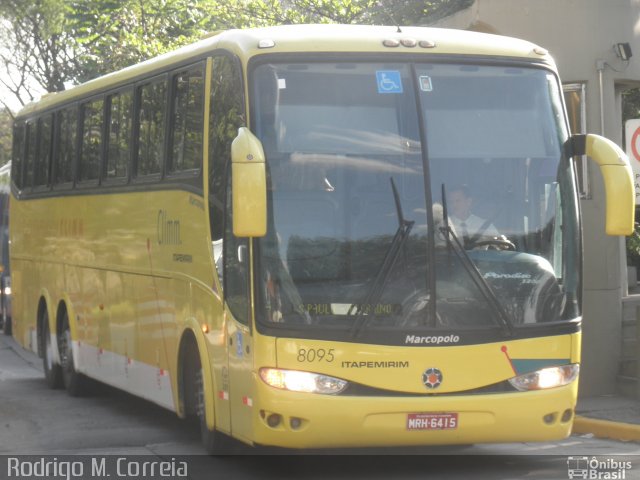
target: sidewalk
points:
(608, 416)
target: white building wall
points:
(580, 34)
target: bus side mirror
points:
(248, 185)
(618, 181)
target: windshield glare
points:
(473, 153)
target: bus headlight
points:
(7, 291)
(546, 378)
(297, 381)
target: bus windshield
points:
(425, 196)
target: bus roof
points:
(325, 38)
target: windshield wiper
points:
(390, 258)
(453, 242)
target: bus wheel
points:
(213, 441)
(74, 382)
(6, 319)
(6, 323)
(52, 371)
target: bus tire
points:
(6, 319)
(52, 371)
(6, 323)
(213, 441)
(74, 382)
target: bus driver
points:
(469, 227)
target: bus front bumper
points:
(300, 420)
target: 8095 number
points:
(311, 355)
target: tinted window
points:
(17, 157)
(66, 151)
(41, 177)
(91, 141)
(119, 135)
(30, 157)
(226, 116)
(151, 127)
(188, 113)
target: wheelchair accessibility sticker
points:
(389, 81)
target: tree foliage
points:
(47, 45)
(6, 120)
(52, 43)
(114, 34)
(253, 13)
(37, 51)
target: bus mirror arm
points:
(618, 179)
(248, 185)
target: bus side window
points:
(64, 157)
(152, 100)
(30, 155)
(226, 116)
(18, 155)
(43, 160)
(91, 141)
(187, 117)
(120, 110)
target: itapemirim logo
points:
(597, 468)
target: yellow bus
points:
(314, 236)
(5, 271)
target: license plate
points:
(432, 421)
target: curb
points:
(626, 432)
(31, 358)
